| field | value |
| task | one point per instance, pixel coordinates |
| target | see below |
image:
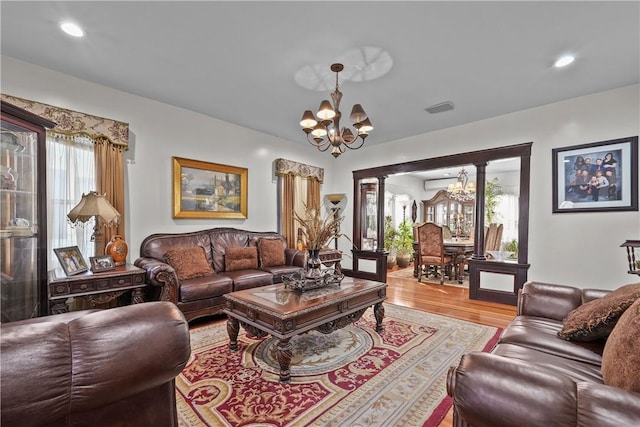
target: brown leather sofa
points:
(95, 368)
(533, 378)
(203, 295)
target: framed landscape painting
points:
(596, 177)
(208, 190)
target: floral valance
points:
(289, 167)
(70, 124)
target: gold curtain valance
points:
(289, 167)
(70, 124)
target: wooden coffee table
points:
(283, 312)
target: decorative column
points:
(478, 239)
(380, 214)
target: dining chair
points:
(493, 237)
(431, 251)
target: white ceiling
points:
(238, 61)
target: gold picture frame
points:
(209, 190)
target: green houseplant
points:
(403, 243)
(389, 237)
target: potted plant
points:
(389, 237)
(403, 243)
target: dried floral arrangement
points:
(318, 231)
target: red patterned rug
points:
(351, 377)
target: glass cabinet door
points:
(369, 198)
(22, 220)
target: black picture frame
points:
(102, 263)
(71, 260)
(574, 177)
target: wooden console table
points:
(98, 288)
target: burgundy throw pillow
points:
(596, 319)
(241, 258)
(189, 262)
(621, 355)
(271, 252)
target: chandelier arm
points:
(320, 144)
(348, 145)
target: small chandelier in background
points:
(462, 190)
(327, 124)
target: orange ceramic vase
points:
(118, 250)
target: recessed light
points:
(72, 29)
(563, 61)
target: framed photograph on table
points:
(101, 263)
(208, 190)
(596, 177)
(71, 260)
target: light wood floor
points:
(451, 301)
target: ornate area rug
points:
(351, 377)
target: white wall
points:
(580, 249)
(159, 131)
(574, 248)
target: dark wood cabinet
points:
(457, 216)
(23, 214)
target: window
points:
(71, 172)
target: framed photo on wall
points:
(596, 177)
(71, 260)
(101, 263)
(208, 190)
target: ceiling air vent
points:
(439, 108)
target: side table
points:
(98, 288)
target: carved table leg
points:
(137, 296)
(378, 311)
(233, 328)
(284, 353)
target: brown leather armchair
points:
(95, 368)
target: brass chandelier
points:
(463, 190)
(325, 131)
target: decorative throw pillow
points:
(271, 252)
(241, 258)
(596, 319)
(621, 355)
(189, 262)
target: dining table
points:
(459, 249)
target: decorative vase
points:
(118, 250)
(313, 264)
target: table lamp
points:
(95, 205)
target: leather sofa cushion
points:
(189, 262)
(540, 334)
(247, 279)
(204, 287)
(596, 319)
(621, 357)
(271, 252)
(241, 258)
(279, 270)
(577, 371)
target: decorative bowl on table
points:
(500, 255)
(300, 282)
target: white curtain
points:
(508, 215)
(71, 172)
